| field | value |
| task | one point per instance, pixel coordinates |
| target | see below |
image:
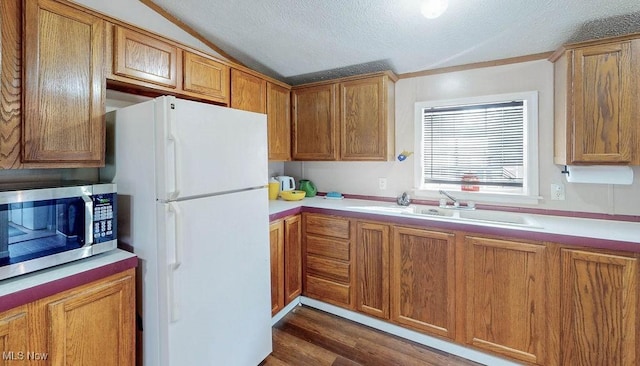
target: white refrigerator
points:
(193, 205)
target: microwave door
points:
(56, 229)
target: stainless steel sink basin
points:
(458, 215)
(500, 217)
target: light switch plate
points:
(382, 183)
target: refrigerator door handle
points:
(177, 154)
(178, 236)
(173, 303)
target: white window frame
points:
(528, 194)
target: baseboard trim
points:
(280, 314)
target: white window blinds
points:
(482, 141)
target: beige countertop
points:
(546, 227)
(29, 287)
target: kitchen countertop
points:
(33, 286)
(600, 233)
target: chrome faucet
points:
(456, 204)
(455, 201)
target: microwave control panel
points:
(104, 217)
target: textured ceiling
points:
(299, 41)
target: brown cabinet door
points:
(279, 122)
(95, 325)
(292, 258)
(506, 297)
(248, 92)
(206, 77)
(598, 307)
(64, 86)
(10, 83)
(276, 245)
(363, 124)
(145, 58)
(422, 280)
(314, 120)
(372, 267)
(603, 122)
(13, 337)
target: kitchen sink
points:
(458, 215)
(499, 217)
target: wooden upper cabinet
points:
(314, 121)
(279, 122)
(597, 104)
(599, 307)
(345, 119)
(64, 86)
(145, 58)
(505, 286)
(248, 92)
(367, 119)
(206, 77)
(423, 280)
(10, 83)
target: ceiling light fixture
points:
(432, 9)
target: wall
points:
(362, 178)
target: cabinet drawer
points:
(327, 291)
(328, 226)
(327, 247)
(328, 268)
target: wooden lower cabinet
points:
(93, 324)
(285, 238)
(423, 280)
(599, 309)
(505, 284)
(533, 302)
(292, 258)
(14, 336)
(276, 246)
(372, 267)
(329, 271)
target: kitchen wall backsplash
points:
(361, 178)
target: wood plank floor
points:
(307, 336)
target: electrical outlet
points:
(382, 183)
(557, 192)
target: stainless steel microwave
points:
(43, 225)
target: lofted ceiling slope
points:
(300, 41)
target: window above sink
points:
(483, 148)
